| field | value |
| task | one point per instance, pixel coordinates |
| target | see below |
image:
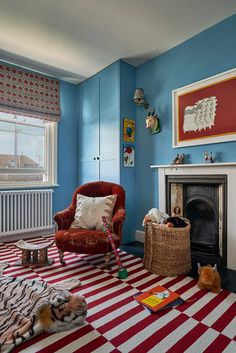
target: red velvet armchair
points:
(85, 241)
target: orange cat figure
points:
(209, 278)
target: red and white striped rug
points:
(117, 323)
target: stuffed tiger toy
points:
(64, 313)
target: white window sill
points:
(27, 186)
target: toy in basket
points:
(122, 272)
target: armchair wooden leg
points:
(61, 256)
(107, 258)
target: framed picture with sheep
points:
(204, 111)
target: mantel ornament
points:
(179, 159)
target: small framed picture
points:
(128, 155)
(129, 130)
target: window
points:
(27, 151)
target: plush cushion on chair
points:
(89, 211)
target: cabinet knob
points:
(98, 158)
(94, 158)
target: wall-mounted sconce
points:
(139, 98)
(152, 120)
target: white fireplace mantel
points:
(228, 169)
(200, 165)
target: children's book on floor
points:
(158, 298)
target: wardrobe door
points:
(89, 130)
(109, 125)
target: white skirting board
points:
(139, 236)
(35, 234)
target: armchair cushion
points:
(89, 211)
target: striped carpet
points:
(117, 323)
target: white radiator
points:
(24, 211)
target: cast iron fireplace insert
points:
(203, 200)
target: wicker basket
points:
(167, 250)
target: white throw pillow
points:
(89, 211)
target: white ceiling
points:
(74, 39)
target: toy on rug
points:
(155, 215)
(209, 278)
(29, 307)
(122, 272)
(63, 313)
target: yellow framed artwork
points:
(129, 130)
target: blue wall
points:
(208, 53)
(127, 174)
(67, 148)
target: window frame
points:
(51, 154)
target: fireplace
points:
(201, 199)
(221, 178)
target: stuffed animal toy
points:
(155, 215)
(175, 222)
(209, 278)
(64, 313)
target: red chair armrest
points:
(119, 216)
(64, 218)
(117, 221)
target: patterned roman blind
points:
(30, 94)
